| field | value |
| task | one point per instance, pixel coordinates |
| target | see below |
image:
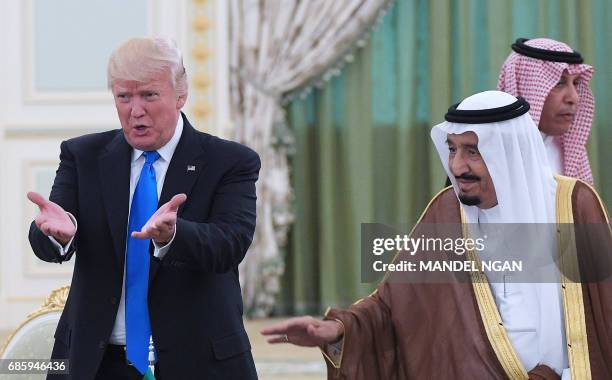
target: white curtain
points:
(278, 46)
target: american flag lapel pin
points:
(191, 168)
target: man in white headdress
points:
(472, 329)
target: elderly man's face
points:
(466, 164)
(148, 111)
(560, 106)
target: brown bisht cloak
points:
(410, 331)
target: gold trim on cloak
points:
(323, 349)
(494, 327)
(573, 302)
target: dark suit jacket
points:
(195, 302)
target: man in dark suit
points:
(151, 284)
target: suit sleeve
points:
(220, 244)
(64, 193)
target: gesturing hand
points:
(160, 227)
(52, 220)
(304, 331)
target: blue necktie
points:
(137, 323)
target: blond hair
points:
(144, 58)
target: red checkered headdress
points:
(531, 71)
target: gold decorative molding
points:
(202, 109)
(55, 301)
(201, 23)
(201, 81)
(202, 57)
(201, 53)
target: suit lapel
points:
(185, 167)
(115, 180)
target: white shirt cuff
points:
(160, 251)
(64, 249)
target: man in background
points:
(552, 77)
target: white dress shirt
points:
(533, 317)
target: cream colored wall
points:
(34, 120)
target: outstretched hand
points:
(162, 223)
(52, 220)
(304, 331)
